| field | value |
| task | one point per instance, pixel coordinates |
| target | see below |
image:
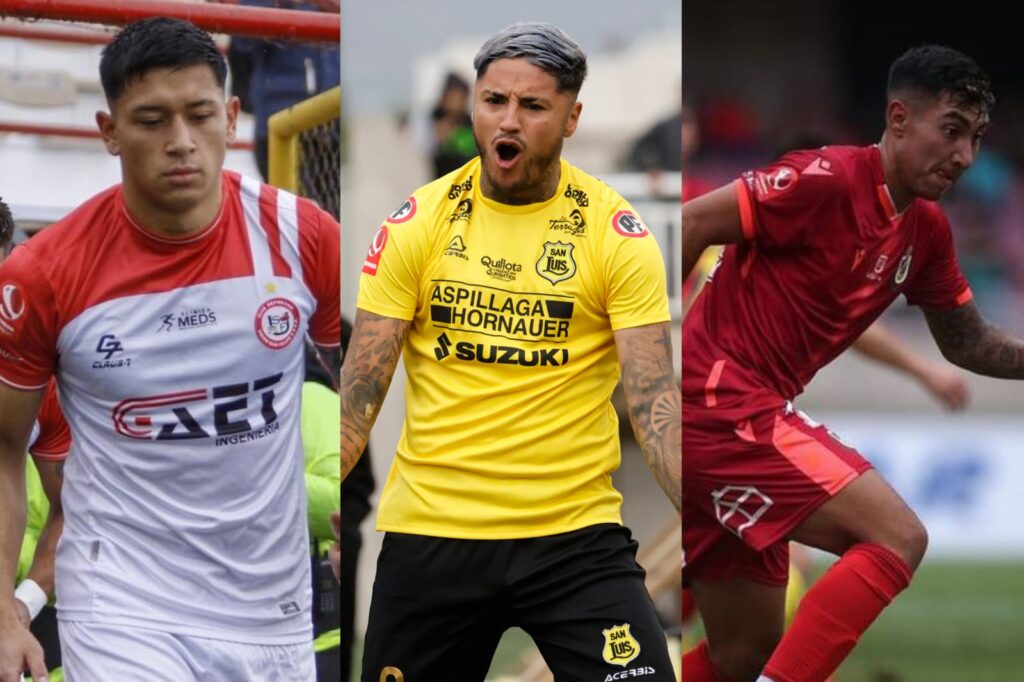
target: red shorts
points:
(751, 474)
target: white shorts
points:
(93, 651)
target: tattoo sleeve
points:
(365, 377)
(967, 340)
(652, 396)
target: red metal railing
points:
(255, 22)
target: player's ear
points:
(574, 119)
(896, 114)
(105, 122)
(233, 105)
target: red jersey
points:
(825, 254)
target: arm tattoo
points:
(967, 340)
(365, 377)
(654, 404)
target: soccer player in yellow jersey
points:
(518, 288)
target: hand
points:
(948, 386)
(334, 554)
(19, 650)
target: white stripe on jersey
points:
(259, 246)
(288, 224)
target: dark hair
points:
(6, 226)
(157, 43)
(936, 70)
(543, 45)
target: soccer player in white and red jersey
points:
(172, 310)
(819, 245)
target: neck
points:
(169, 221)
(901, 197)
(536, 193)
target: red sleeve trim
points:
(49, 456)
(965, 296)
(22, 387)
(746, 210)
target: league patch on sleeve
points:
(404, 212)
(12, 307)
(628, 224)
(377, 244)
(774, 183)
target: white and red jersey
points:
(51, 437)
(180, 365)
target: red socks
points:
(834, 612)
(697, 666)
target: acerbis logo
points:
(628, 224)
(109, 345)
(404, 212)
(277, 323)
(443, 345)
(642, 671)
(184, 415)
(12, 303)
(456, 190)
(501, 269)
(738, 508)
(577, 195)
(377, 244)
(457, 248)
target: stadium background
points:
(391, 77)
(765, 76)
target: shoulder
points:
(431, 206)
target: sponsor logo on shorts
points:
(502, 268)
(457, 248)
(577, 195)
(404, 212)
(192, 318)
(628, 224)
(462, 212)
(12, 306)
(620, 647)
(277, 323)
(110, 347)
(231, 413)
(628, 673)
(738, 508)
(377, 244)
(289, 607)
(456, 190)
(574, 225)
(556, 263)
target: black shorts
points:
(440, 607)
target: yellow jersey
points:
(509, 428)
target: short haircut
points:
(936, 70)
(544, 46)
(6, 226)
(157, 43)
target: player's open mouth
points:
(507, 153)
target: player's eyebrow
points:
(161, 108)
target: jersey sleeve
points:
(54, 439)
(322, 265)
(782, 204)
(637, 292)
(28, 322)
(390, 280)
(940, 283)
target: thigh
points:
(435, 613)
(581, 597)
(246, 662)
(94, 651)
(750, 478)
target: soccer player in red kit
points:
(819, 245)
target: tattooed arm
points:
(365, 376)
(652, 396)
(967, 340)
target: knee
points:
(910, 541)
(742, 661)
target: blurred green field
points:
(958, 622)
